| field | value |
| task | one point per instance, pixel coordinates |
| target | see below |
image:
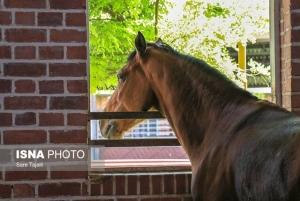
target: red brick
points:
(120, 185)
(84, 189)
(23, 190)
(76, 52)
(295, 52)
(51, 52)
(25, 175)
(77, 119)
(68, 35)
(25, 69)
(67, 4)
(95, 189)
(24, 102)
(24, 86)
(24, 18)
(68, 174)
(188, 198)
(295, 19)
(5, 52)
(24, 52)
(69, 102)
(5, 18)
(295, 37)
(76, 19)
(59, 189)
(169, 184)
(107, 185)
(51, 119)
(25, 4)
(5, 86)
(24, 137)
(5, 119)
(5, 191)
(144, 185)
(156, 184)
(189, 178)
(127, 199)
(132, 185)
(161, 199)
(295, 4)
(51, 87)
(71, 136)
(180, 184)
(68, 69)
(295, 85)
(77, 86)
(295, 101)
(295, 69)
(27, 118)
(50, 19)
(25, 35)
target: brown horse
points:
(241, 148)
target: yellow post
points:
(242, 61)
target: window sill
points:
(140, 165)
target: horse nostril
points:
(109, 126)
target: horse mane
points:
(200, 69)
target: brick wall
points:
(43, 89)
(290, 54)
(44, 100)
(143, 187)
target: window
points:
(110, 24)
(149, 146)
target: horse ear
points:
(159, 41)
(140, 43)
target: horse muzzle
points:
(109, 129)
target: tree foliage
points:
(206, 28)
(202, 28)
(112, 27)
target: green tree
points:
(202, 28)
(113, 26)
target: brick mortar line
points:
(13, 18)
(42, 44)
(296, 28)
(50, 61)
(126, 185)
(49, 128)
(186, 179)
(40, 78)
(64, 23)
(48, 36)
(139, 196)
(295, 60)
(295, 43)
(47, 10)
(41, 146)
(44, 181)
(36, 27)
(295, 11)
(97, 198)
(44, 95)
(43, 111)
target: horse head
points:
(133, 93)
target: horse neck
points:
(193, 108)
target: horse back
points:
(266, 162)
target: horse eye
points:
(121, 77)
